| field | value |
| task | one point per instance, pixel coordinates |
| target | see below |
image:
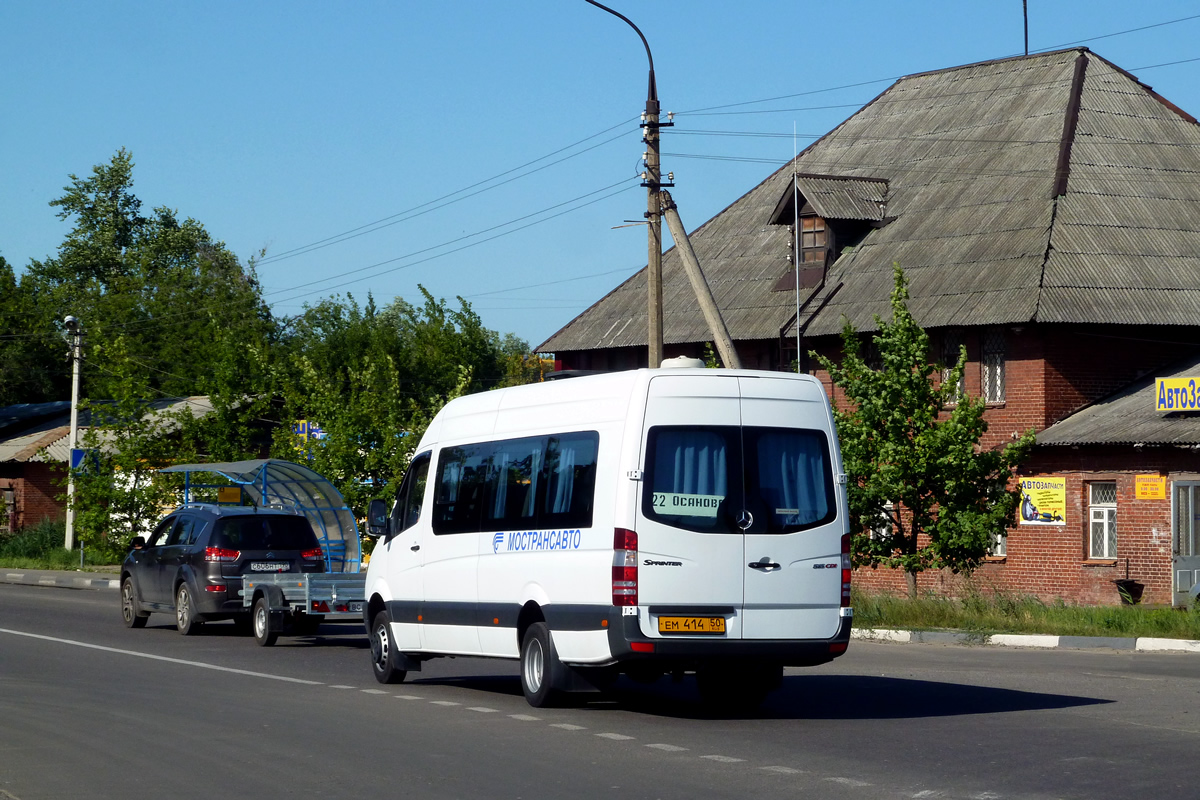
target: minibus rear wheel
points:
(539, 665)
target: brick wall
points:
(37, 492)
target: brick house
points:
(1046, 210)
(34, 452)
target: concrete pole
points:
(653, 229)
(76, 333)
(712, 314)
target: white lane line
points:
(409, 697)
(524, 717)
(341, 686)
(374, 691)
(848, 782)
(481, 709)
(724, 759)
(670, 748)
(782, 770)
(568, 727)
(444, 703)
(616, 737)
(201, 664)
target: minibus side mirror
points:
(377, 518)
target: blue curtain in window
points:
(792, 476)
(691, 462)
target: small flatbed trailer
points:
(293, 603)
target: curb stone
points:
(60, 579)
(1040, 641)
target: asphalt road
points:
(90, 709)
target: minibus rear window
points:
(700, 478)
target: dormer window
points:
(814, 241)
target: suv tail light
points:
(846, 570)
(221, 554)
(312, 554)
(624, 570)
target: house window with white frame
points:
(999, 545)
(882, 529)
(1102, 513)
(991, 363)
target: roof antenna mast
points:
(1025, 13)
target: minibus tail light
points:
(846, 570)
(624, 568)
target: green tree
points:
(33, 363)
(923, 493)
(163, 286)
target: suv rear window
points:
(700, 477)
(265, 532)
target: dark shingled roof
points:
(1129, 417)
(1044, 188)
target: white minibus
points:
(647, 522)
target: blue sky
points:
(425, 130)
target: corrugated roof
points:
(970, 156)
(1129, 417)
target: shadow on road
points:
(801, 697)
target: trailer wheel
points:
(383, 651)
(539, 663)
(260, 617)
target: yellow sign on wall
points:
(1150, 487)
(1177, 394)
(1043, 500)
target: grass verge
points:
(41, 547)
(1002, 612)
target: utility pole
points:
(75, 332)
(651, 179)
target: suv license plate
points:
(691, 625)
(268, 566)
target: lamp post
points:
(651, 180)
(75, 331)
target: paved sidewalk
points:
(1041, 641)
(63, 579)
(75, 579)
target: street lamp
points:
(75, 332)
(650, 179)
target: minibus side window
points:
(570, 480)
(513, 478)
(789, 481)
(458, 497)
(693, 477)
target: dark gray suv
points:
(192, 564)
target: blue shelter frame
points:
(274, 483)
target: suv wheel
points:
(185, 611)
(131, 610)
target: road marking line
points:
(341, 686)
(444, 703)
(524, 717)
(724, 759)
(481, 709)
(201, 664)
(782, 770)
(568, 727)
(670, 748)
(616, 737)
(374, 691)
(848, 782)
(409, 697)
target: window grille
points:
(992, 365)
(1102, 507)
